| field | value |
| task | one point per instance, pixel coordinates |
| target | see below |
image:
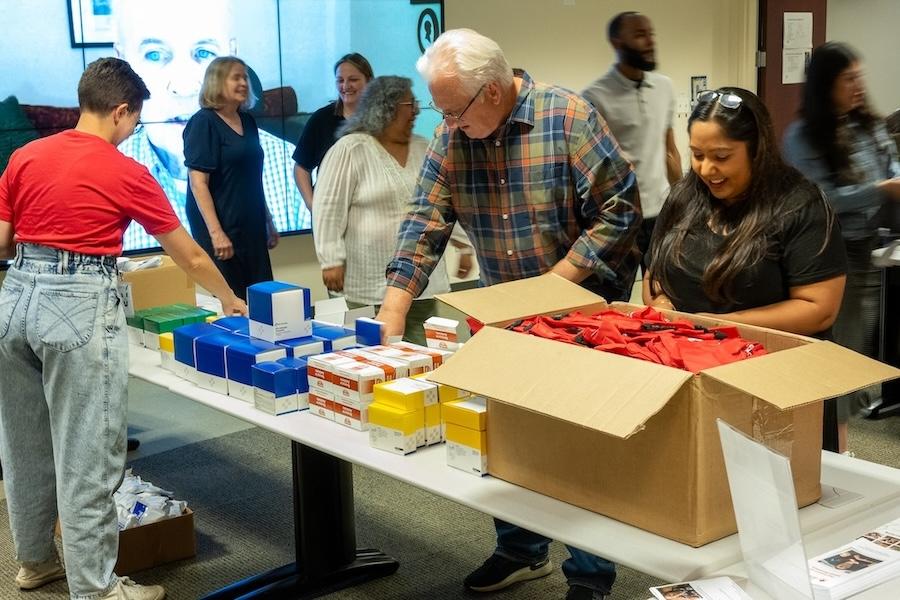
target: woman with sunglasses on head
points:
(352, 73)
(745, 236)
(844, 148)
(366, 190)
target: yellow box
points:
(406, 394)
(395, 430)
(470, 412)
(167, 342)
(471, 438)
(434, 433)
(407, 422)
(446, 393)
(212, 318)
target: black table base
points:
(324, 537)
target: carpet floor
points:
(240, 490)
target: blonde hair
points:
(474, 59)
(213, 88)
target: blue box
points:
(240, 357)
(279, 311)
(368, 331)
(240, 325)
(184, 337)
(336, 338)
(299, 365)
(304, 346)
(210, 357)
(275, 388)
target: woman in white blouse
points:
(364, 191)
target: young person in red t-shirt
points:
(65, 202)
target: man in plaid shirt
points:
(536, 180)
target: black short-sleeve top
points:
(318, 136)
(802, 251)
(235, 165)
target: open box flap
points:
(522, 298)
(797, 376)
(598, 390)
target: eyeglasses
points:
(726, 99)
(449, 116)
(414, 103)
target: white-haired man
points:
(536, 180)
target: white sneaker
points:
(34, 575)
(126, 589)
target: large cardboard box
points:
(157, 286)
(634, 440)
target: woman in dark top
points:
(352, 72)
(743, 235)
(226, 205)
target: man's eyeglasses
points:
(726, 99)
(449, 116)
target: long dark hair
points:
(820, 115)
(691, 205)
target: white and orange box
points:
(437, 355)
(442, 333)
(321, 403)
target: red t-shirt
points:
(75, 191)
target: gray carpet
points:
(240, 490)
(239, 487)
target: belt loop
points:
(20, 254)
(63, 258)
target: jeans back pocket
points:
(66, 320)
(9, 299)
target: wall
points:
(564, 41)
(868, 27)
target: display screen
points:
(290, 45)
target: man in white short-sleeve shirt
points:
(639, 107)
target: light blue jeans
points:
(63, 404)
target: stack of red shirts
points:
(645, 334)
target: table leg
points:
(327, 558)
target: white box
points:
(354, 415)
(466, 459)
(391, 440)
(267, 402)
(240, 391)
(279, 311)
(212, 383)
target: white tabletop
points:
(426, 468)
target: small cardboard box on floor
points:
(634, 440)
(155, 543)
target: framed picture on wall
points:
(698, 84)
(90, 23)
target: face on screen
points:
(169, 43)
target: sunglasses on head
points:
(726, 99)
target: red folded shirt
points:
(644, 334)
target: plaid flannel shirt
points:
(552, 184)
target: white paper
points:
(793, 65)
(798, 30)
(765, 508)
(719, 588)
